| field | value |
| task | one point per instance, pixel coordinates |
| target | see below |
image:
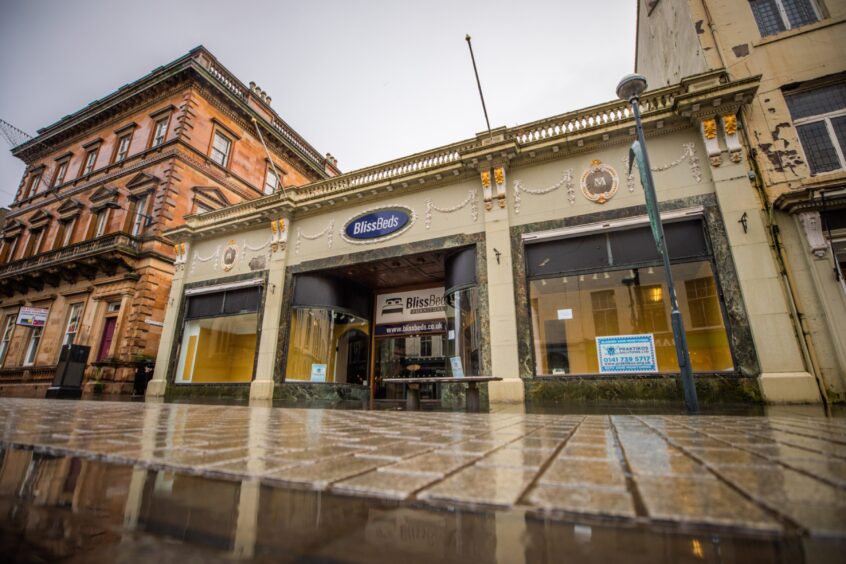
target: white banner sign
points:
(32, 316)
(415, 305)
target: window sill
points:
(797, 31)
(833, 176)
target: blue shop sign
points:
(377, 224)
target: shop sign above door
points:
(378, 224)
(414, 305)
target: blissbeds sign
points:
(378, 224)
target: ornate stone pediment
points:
(39, 218)
(12, 228)
(69, 208)
(210, 196)
(103, 194)
(141, 182)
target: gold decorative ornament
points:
(730, 124)
(486, 178)
(499, 175)
(599, 182)
(709, 128)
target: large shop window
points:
(219, 337)
(329, 340)
(612, 284)
(328, 346)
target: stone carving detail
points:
(689, 153)
(470, 200)
(712, 144)
(195, 258)
(487, 192)
(599, 182)
(566, 181)
(732, 140)
(278, 235)
(499, 179)
(812, 225)
(230, 255)
(179, 258)
(327, 232)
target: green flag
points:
(636, 153)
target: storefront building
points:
(794, 129)
(82, 257)
(524, 254)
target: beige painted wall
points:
(674, 183)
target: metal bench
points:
(413, 385)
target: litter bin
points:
(143, 375)
(67, 383)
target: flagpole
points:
(479, 84)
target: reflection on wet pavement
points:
(98, 481)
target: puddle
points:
(77, 510)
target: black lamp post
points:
(630, 88)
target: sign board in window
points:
(318, 373)
(415, 305)
(457, 367)
(32, 316)
(622, 354)
(411, 328)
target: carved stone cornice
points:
(714, 101)
(811, 198)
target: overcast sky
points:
(368, 81)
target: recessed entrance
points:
(393, 318)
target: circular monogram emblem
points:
(599, 182)
(230, 255)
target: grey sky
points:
(368, 81)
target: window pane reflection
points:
(331, 342)
(569, 312)
(464, 329)
(218, 349)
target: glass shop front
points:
(220, 334)
(415, 316)
(599, 304)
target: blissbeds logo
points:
(377, 224)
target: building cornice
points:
(664, 111)
(199, 63)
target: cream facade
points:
(519, 254)
(792, 135)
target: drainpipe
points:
(713, 30)
(800, 325)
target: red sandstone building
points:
(82, 248)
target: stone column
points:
(501, 308)
(261, 388)
(784, 376)
(157, 386)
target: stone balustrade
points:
(588, 118)
(112, 242)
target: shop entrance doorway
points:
(370, 321)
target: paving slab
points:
(768, 474)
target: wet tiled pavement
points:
(767, 475)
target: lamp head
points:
(631, 86)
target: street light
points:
(630, 88)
